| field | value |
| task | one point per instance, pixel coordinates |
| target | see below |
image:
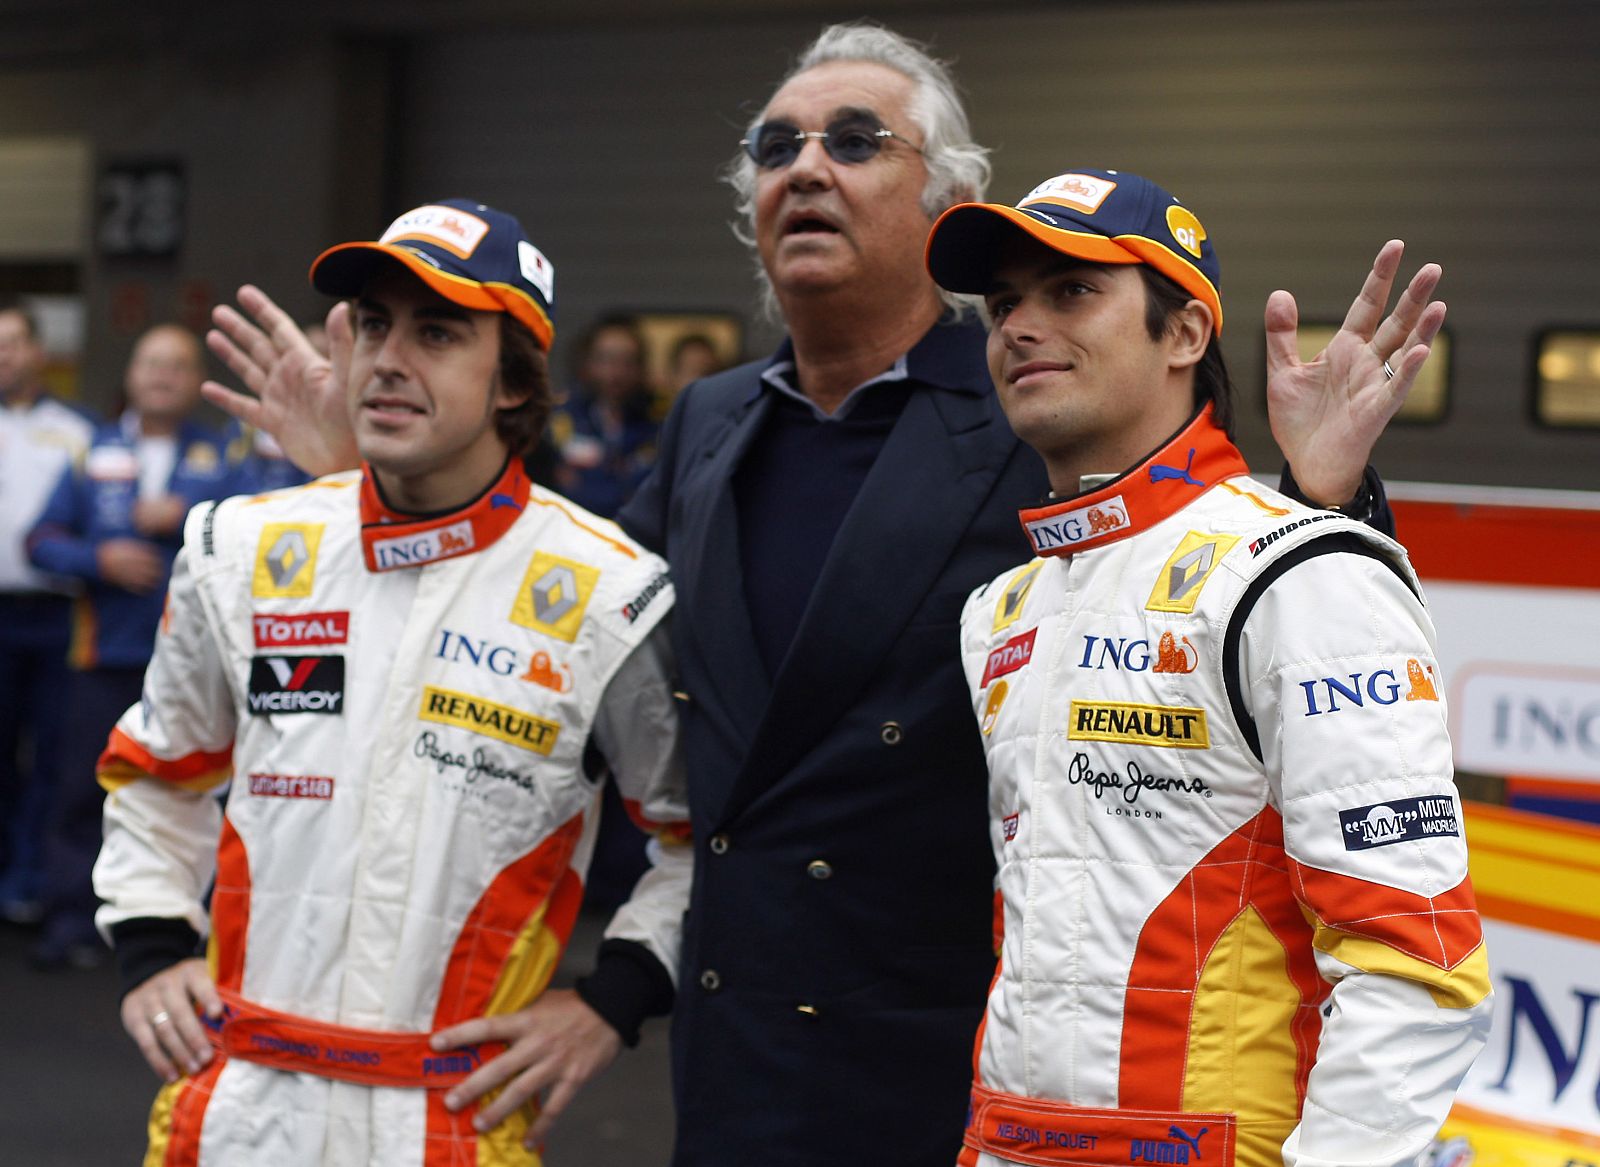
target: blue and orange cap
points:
(1103, 216)
(470, 254)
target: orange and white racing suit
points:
(406, 708)
(1237, 923)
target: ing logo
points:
(286, 559)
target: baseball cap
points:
(470, 254)
(1103, 216)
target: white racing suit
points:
(1237, 924)
(404, 708)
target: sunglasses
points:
(774, 145)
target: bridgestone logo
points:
(1257, 546)
(296, 684)
(636, 606)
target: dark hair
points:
(525, 373)
(1164, 299)
(30, 321)
(611, 322)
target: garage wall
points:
(1304, 133)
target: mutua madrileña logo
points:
(1397, 821)
(296, 684)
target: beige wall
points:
(1304, 132)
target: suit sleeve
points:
(161, 767)
(1380, 517)
(1339, 667)
(636, 730)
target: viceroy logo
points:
(296, 684)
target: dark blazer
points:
(838, 947)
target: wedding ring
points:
(160, 1018)
(1388, 373)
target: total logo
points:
(1172, 655)
(300, 629)
(1381, 687)
(503, 660)
(1009, 657)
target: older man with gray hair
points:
(825, 513)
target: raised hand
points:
(296, 394)
(1327, 413)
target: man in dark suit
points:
(825, 513)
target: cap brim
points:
(966, 243)
(343, 270)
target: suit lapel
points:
(706, 564)
(934, 472)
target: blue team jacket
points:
(92, 502)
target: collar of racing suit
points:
(391, 539)
(1192, 461)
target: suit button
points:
(891, 733)
(819, 869)
(681, 697)
(711, 980)
(808, 1010)
(718, 844)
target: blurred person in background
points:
(604, 439)
(603, 432)
(693, 356)
(39, 438)
(114, 521)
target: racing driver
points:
(416, 674)
(1237, 923)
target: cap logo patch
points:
(1185, 229)
(455, 230)
(1082, 192)
(537, 270)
